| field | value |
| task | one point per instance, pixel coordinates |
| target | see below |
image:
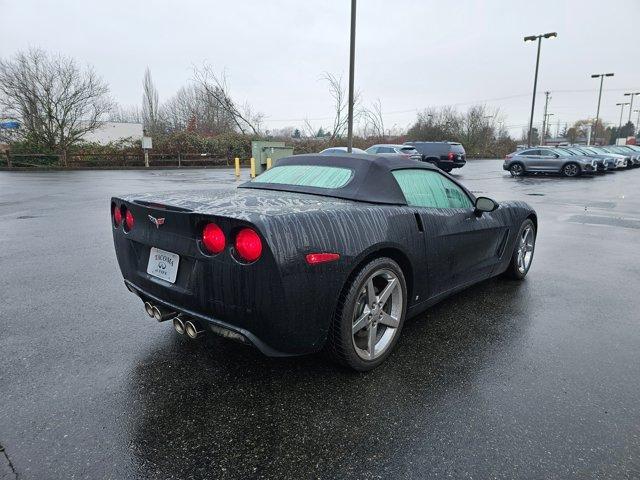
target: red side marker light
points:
(315, 258)
(248, 245)
(213, 238)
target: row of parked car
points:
(572, 161)
(445, 155)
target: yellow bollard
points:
(237, 160)
(268, 163)
(253, 167)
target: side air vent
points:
(419, 222)
(503, 244)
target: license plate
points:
(163, 264)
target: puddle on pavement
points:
(606, 221)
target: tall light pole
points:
(621, 105)
(352, 58)
(533, 38)
(632, 94)
(601, 76)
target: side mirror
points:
(484, 204)
(556, 155)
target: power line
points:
(458, 104)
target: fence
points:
(113, 160)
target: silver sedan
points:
(546, 160)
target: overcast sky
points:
(409, 54)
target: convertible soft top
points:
(372, 179)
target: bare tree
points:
(192, 106)
(308, 129)
(373, 121)
(130, 114)
(56, 101)
(150, 105)
(217, 88)
(340, 104)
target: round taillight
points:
(248, 245)
(117, 216)
(213, 238)
(129, 220)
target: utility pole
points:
(352, 55)
(544, 118)
(601, 75)
(533, 38)
(621, 105)
(632, 94)
(548, 122)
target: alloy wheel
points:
(571, 170)
(377, 314)
(516, 170)
(526, 244)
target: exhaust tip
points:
(157, 314)
(178, 324)
(148, 308)
(193, 330)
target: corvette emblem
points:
(156, 221)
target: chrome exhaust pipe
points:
(193, 329)
(148, 308)
(178, 324)
(161, 315)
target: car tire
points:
(520, 263)
(356, 326)
(571, 170)
(516, 169)
(448, 170)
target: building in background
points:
(109, 132)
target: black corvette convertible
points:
(319, 252)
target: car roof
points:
(394, 145)
(372, 178)
(432, 142)
(340, 150)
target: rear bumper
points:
(207, 321)
(448, 164)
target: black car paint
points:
(280, 303)
(437, 153)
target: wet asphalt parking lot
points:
(539, 379)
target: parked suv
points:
(445, 155)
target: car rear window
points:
(408, 150)
(457, 148)
(307, 176)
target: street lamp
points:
(621, 105)
(533, 38)
(352, 55)
(632, 94)
(601, 75)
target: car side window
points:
(533, 152)
(372, 150)
(386, 150)
(427, 188)
(547, 153)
